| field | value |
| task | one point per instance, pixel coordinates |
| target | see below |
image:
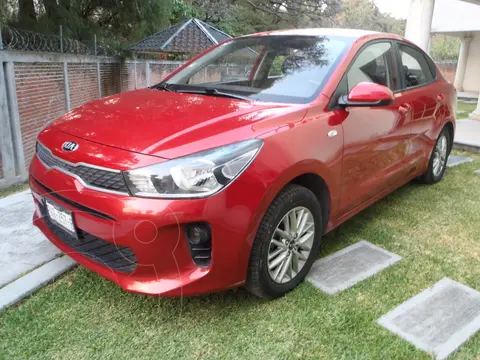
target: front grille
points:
(95, 177)
(115, 257)
(73, 204)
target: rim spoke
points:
(279, 260)
(295, 261)
(275, 275)
(302, 222)
(286, 224)
(293, 221)
(299, 255)
(308, 227)
(274, 254)
(284, 267)
(305, 238)
(283, 234)
(280, 244)
(290, 267)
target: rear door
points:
(419, 96)
(375, 138)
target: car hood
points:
(168, 124)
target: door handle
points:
(441, 98)
(404, 109)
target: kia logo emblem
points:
(70, 146)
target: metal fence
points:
(36, 87)
(26, 40)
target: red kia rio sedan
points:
(229, 172)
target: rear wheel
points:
(438, 160)
(286, 244)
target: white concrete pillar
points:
(67, 86)
(147, 72)
(476, 114)
(462, 63)
(419, 22)
(99, 80)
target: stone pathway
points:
(467, 135)
(454, 160)
(23, 248)
(439, 319)
(34, 280)
(349, 266)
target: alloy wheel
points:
(440, 155)
(291, 244)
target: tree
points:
(26, 12)
(297, 13)
(445, 47)
(239, 17)
(118, 20)
(364, 14)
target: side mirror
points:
(367, 94)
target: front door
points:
(419, 97)
(375, 138)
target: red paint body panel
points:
(374, 151)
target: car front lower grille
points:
(113, 256)
(93, 177)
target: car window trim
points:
(399, 61)
(333, 100)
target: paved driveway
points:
(22, 246)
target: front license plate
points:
(61, 217)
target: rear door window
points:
(415, 69)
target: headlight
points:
(196, 175)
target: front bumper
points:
(153, 229)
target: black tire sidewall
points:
(300, 196)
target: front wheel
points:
(286, 244)
(438, 160)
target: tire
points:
(432, 175)
(260, 274)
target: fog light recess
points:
(199, 238)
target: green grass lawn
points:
(463, 110)
(436, 229)
(13, 189)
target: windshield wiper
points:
(163, 86)
(215, 92)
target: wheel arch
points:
(313, 175)
(451, 131)
(317, 185)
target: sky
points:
(397, 8)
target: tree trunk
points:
(50, 7)
(27, 14)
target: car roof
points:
(353, 33)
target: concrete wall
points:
(471, 82)
(38, 87)
(448, 69)
(450, 16)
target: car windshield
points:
(286, 69)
